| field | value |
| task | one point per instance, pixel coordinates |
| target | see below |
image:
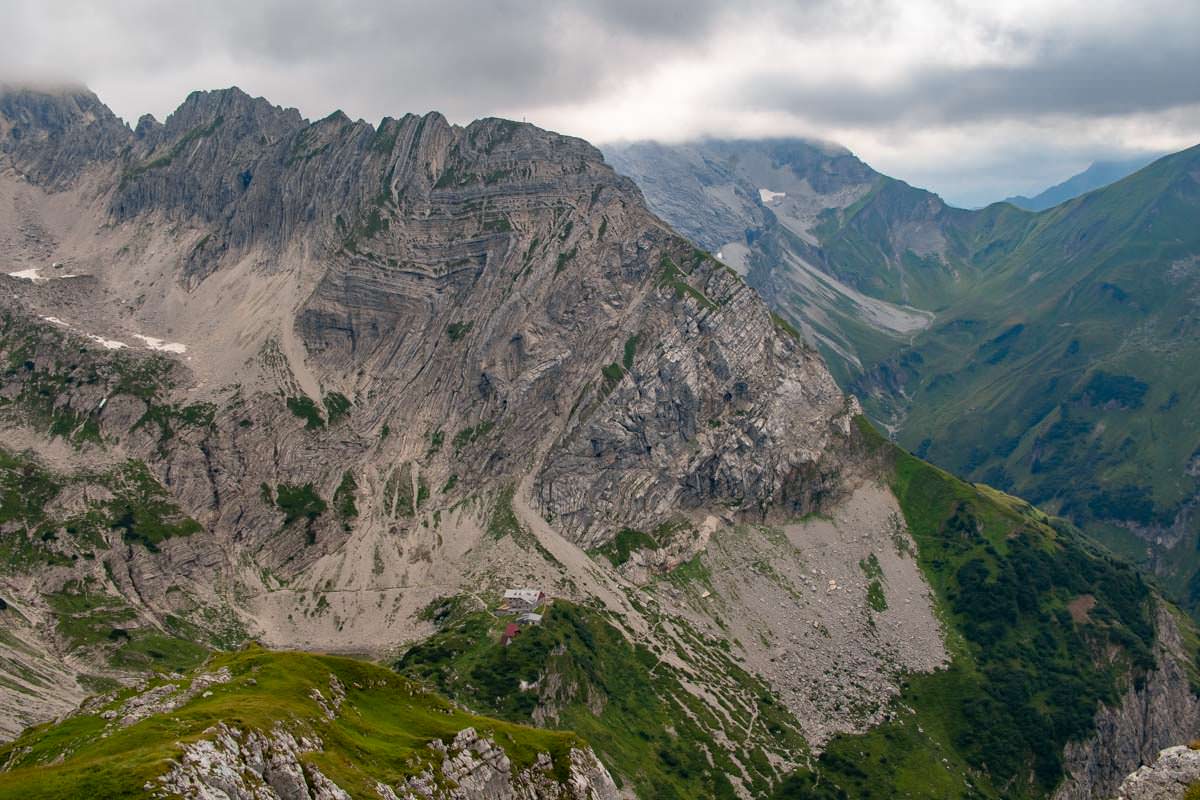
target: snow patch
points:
(160, 344)
(767, 196)
(107, 344)
(35, 275)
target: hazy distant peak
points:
(1097, 175)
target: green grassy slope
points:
(632, 708)
(1068, 374)
(380, 734)
(874, 245)
(1041, 628)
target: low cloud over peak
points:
(974, 100)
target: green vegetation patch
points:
(503, 520)
(143, 510)
(304, 408)
(25, 489)
(612, 374)
(630, 352)
(299, 502)
(343, 497)
(195, 134)
(457, 330)
(471, 434)
(871, 568)
(624, 544)
(139, 507)
(498, 224)
(400, 498)
(1120, 391)
(381, 734)
(628, 705)
(337, 406)
(564, 259)
(876, 599)
(672, 276)
(169, 416)
(787, 327)
(90, 621)
(48, 372)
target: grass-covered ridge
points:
(380, 734)
(1042, 628)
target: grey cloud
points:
(469, 59)
(1092, 79)
(465, 58)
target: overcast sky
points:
(975, 100)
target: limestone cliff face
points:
(1161, 712)
(56, 136)
(376, 345)
(496, 278)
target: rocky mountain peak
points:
(245, 115)
(55, 134)
(478, 277)
(52, 110)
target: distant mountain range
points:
(1096, 176)
(1052, 353)
(772, 210)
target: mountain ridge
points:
(312, 382)
(261, 724)
(1097, 175)
(370, 315)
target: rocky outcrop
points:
(743, 420)
(249, 765)
(165, 698)
(1170, 777)
(474, 768)
(1160, 712)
